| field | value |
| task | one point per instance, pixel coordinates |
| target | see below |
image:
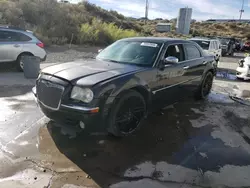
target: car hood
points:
(89, 72)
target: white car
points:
(243, 70)
(210, 46)
(16, 43)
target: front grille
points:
(49, 94)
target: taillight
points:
(40, 44)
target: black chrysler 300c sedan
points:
(127, 80)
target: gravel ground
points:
(237, 56)
(65, 54)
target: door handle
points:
(16, 45)
(204, 62)
(186, 67)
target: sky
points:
(167, 9)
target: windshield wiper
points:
(110, 60)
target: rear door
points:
(10, 45)
(194, 67)
(4, 37)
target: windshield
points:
(131, 52)
(203, 43)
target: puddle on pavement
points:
(181, 137)
(215, 97)
(16, 90)
(28, 178)
(226, 75)
(13, 105)
(229, 175)
(100, 156)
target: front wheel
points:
(206, 86)
(127, 114)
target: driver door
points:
(170, 76)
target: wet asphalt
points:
(189, 144)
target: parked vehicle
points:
(227, 45)
(126, 81)
(238, 45)
(246, 46)
(210, 46)
(243, 70)
(16, 43)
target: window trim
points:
(166, 45)
(201, 54)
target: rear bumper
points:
(44, 58)
(223, 51)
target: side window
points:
(175, 51)
(212, 45)
(5, 36)
(22, 37)
(10, 36)
(192, 52)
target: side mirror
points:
(171, 60)
(99, 50)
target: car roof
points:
(15, 29)
(202, 39)
(155, 39)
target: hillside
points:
(59, 23)
(85, 23)
(237, 30)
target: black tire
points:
(205, 86)
(19, 65)
(129, 100)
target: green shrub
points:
(99, 32)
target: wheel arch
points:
(144, 92)
(212, 71)
(25, 53)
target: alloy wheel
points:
(130, 114)
(207, 85)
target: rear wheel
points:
(127, 114)
(19, 62)
(206, 86)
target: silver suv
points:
(16, 42)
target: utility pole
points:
(242, 9)
(146, 11)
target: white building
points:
(183, 21)
(163, 27)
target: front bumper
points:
(71, 114)
(243, 73)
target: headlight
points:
(82, 94)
